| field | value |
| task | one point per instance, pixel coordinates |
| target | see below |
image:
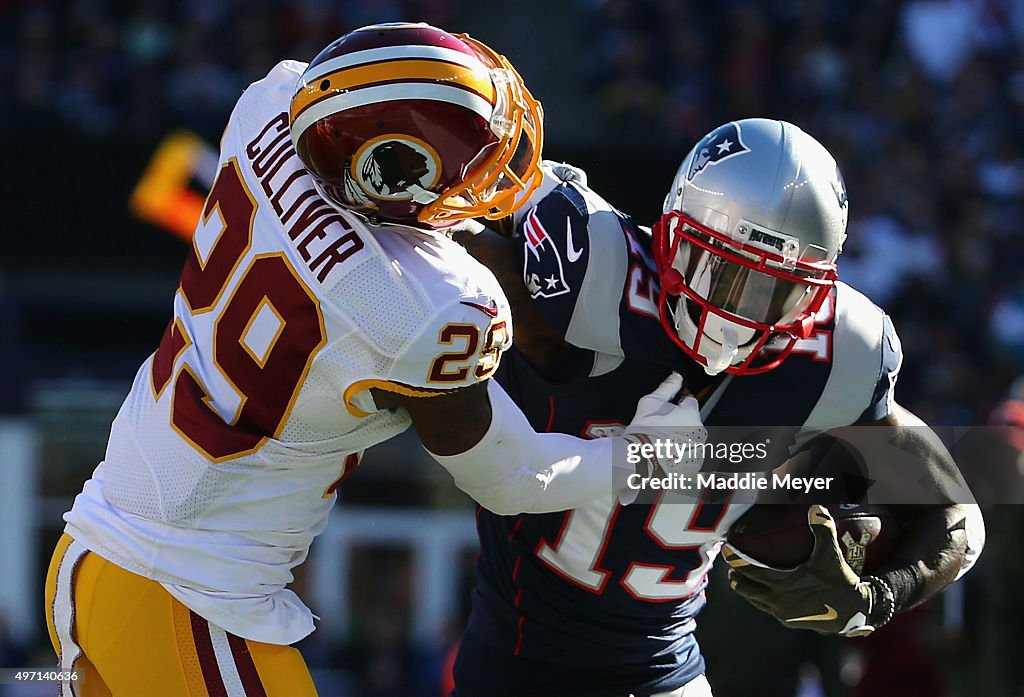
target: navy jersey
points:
(602, 600)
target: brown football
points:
(777, 535)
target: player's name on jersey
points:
(321, 235)
(746, 481)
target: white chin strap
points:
(727, 351)
(720, 343)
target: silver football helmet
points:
(747, 245)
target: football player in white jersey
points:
(323, 308)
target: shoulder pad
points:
(555, 244)
(575, 261)
(884, 396)
(865, 351)
(461, 345)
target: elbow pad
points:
(514, 469)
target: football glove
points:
(822, 594)
(555, 174)
(565, 172)
(662, 429)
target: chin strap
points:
(726, 355)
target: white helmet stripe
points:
(374, 55)
(390, 93)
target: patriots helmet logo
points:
(721, 144)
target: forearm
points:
(944, 533)
(931, 555)
(514, 469)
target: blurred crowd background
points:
(921, 102)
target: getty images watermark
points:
(861, 463)
(748, 456)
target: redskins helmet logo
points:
(395, 167)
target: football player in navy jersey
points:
(737, 290)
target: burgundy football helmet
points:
(406, 123)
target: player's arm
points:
(942, 535)
(482, 438)
(473, 428)
(431, 416)
(909, 469)
(943, 532)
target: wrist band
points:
(883, 605)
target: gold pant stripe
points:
(188, 656)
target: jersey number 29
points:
(264, 369)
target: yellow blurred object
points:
(163, 196)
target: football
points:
(778, 535)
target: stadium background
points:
(921, 102)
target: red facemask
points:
(765, 300)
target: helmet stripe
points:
(390, 93)
(393, 71)
(374, 55)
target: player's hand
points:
(660, 421)
(822, 594)
(566, 172)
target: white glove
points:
(662, 432)
(555, 174)
(565, 172)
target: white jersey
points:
(223, 460)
